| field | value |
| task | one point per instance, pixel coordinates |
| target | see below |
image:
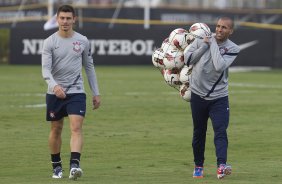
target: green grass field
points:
(142, 133)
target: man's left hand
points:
(96, 102)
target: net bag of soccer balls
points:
(169, 58)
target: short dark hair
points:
(66, 8)
(228, 18)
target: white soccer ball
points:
(174, 58)
(185, 74)
(166, 45)
(158, 57)
(171, 77)
(185, 92)
(200, 30)
(178, 38)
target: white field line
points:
(26, 95)
(260, 86)
(33, 106)
(243, 85)
(147, 93)
(248, 68)
(23, 94)
(28, 106)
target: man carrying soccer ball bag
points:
(211, 58)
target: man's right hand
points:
(59, 92)
(207, 40)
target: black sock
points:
(56, 160)
(75, 158)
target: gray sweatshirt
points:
(62, 61)
(209, 78)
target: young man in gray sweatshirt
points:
(211, 58)
(63, 55)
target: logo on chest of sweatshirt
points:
(223, 50)
(76, 46)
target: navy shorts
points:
(58, 108)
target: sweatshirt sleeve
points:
(194, 51)
(88, 64)
(46, 61)
(223, 58)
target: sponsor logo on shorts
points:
(52, 114)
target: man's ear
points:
(74, 19)
(231, 31)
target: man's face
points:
(65, 21)
(223, 30)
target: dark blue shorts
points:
(58, 108)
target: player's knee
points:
(76, 130)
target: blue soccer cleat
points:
(198, 172)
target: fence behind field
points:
(124, 38)
(135, 47)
